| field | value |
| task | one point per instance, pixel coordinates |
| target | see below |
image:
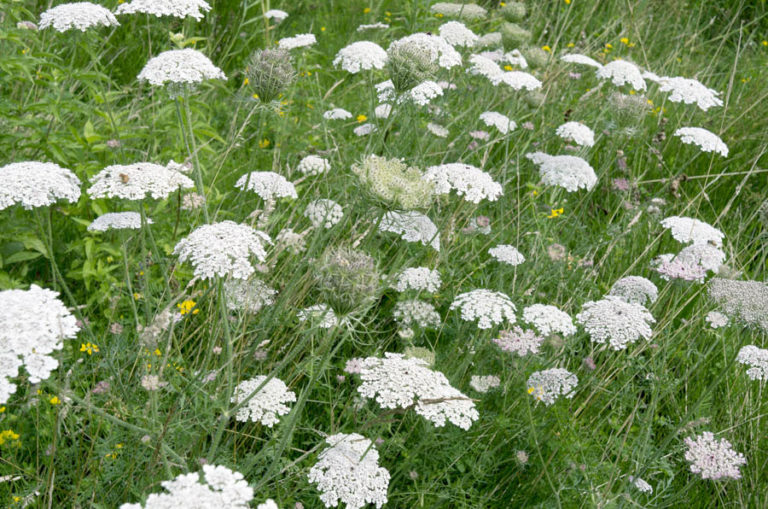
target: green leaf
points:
(22, 256)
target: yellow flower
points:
(388, 13)
(555, 213)
(187, 306)
(362, 118)
(157, 352)
(507, 67)
(438, 15)
(264, 143)
(764, 43)
(609, 45)
(632, 92)
(502, 4)
(2, 409)
(530, 390)
(322, 29)
(7, 436)
(567, 2)
(366, 10)
(89, 347)
(624, 40)
(570, 45)
(136, 296)
(54, 400)
(547, 49)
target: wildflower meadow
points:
(405, 254)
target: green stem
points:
(189, 142)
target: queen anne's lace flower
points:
(569, 172)
(267, 184)
(410, 313)
(457, 34)
(488, 307)
(349, 472)
(689, 91)
(707, 141)
(713, 459)
(577, 58)
(175, 8)
(514, 57)
(423, 93)
(419, 279)
(635, 289)
(297, 41)
(337, 114)
(484, 384)
(223, 249)
(382, 110)
(365, 129)
(325, 213)
(641, 485)
(577, 132)
(320, 314)
(79, 15)
(276, 14)
(137, 181)
(459, 10)
(267, 404)
(470, 182)
(313, 165)
(507, 254)
(371, 26)
(180, 67)
(747, 300)
(250, 295)
(412, 226)
(615, 321)
(519, 341)
(436, 47)
(499, 121)
(688, 229)
(33, 325)
(397, 382)
(716, 320)
(519, 80)
(34, 184)
(438, 130)
(548, 385)
(117, 221)
(548, 319)
(757, 360)
(220, 488)
(670, 266)
(621, 72)
(361, 56)
(486, 67)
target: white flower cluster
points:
(371, 26)
(176, 8)
(382, 110)
(470, 182)
(716, 320)
(79, 15)
(548, 320)
(641, 484)
(746, 300)
(519, 80)
(615, 321)
(412, 226)
(397, 382)
(223, 249)
(577, 132)
(117, 221)
(635, 289)
(757, 360)
(438, 130)
(313, 165)
(689, 91)
(297, 41)
(349, 472)
(179, 66)
(688, 229)
(322, 314)
(221, 488)
(499, 121)
(621, 72)
(34, 184)
(548, 385)
(459, 10)
(514, 57)
(268, 504)
(267, 184)
(436, 47)
(423, 93)
(267, 404)
(419, 279)
(33, 325)
(409, 313)
(248, 295)
(337, 114)
(325, 213)
(488, 307)
(276, 14)
(508, 254)
(713, 459)
(361, 56)
(457, 34)
(484, 384)
(577, 58)
(385, 91)
(670, 266)
(365, 129)
(136, 181)
(707, 141)
(519, 341)
(569, 172)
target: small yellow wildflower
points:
(530, 390)
(438, 15)
(609, 45)
(264, 143)
(362, 118)
(245, 82)
(157, 352)
(507, 67)
(547, 49)
(366, 10)
(322, 29)
(764, 43)
(187, 306)
(570, 45)
(502, 4)
(556, 213)
(567, 2)
(255, 96)
(624, 40)
(632, 92)
(136, 296)
(388, 13)
(54, 400)
(7, 436)
(90, 348)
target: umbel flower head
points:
(548, 320)
(499, 121)
(361, 56)
(348, 472)
(468, 181)
(519, 341)
(267, 184)
(180, 67)
(220, 488)
(176, 8)
(548, 385)
(577, 58)
(297, 41)
(745, 300)
(690, 264)
(117, 221)
(397, 382)
(459, 10)
(689, 91)
(621, 72)
(713, 459)
(615, 321)
(757, 360)
(636, 289)
(33, 325)
(324, 213)
(223, 249)
(79, 15)
(248, 295)
(269, 73)
(266, 404)
(508, 254)
(33, 184)
(137, 181)
(489, 308)
(457, 34)
(394, 182)
(577, 132)
(348, 278)
(416, 313)
(313, 165)
(707, 141)
(412, 226)
(569, 172)
(320, 315)
(690, 230)
(419, 279)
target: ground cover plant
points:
(395, 254)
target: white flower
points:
(488, 307)
(33, 184)
(372, 26)
(268, 504)
(175, 8)
(267, 404)
(641, 485)
(757, 360)
(706, 256)
(457, 34)
(437, 130)
(689, 91)
(490, 39)
(419, 279)
(670, 266)
(276, 14)
(179, 66)
(499, 121)
(137, 181)
(459, 10)
(79, 15)
(615, 321)
(707, 141)
(383, 110)
(651, 76)
(577, 132)
(412, 226)
(548, 319)
(33, 325)
(117, 221)
(519, 80)
(337, 114)
(713, 459)
(716, 320)
(223, 249)
(248, 295)
(577, 58)
(746, 300)
(409, 313)
(548, 385)
(423, 93)
(514, 57)
(569, 172)
(365, 129)
(621, 72)
(385, 91)
(221, 488)
(519, 341)
(267, 184)
(484, 66)
(297, 41)
(507, 254)
(320, 313)
(635, 289)
(470, 182)
(325, 213)
(438, 49)
(397, 382)
(349, 472)
(313, 165)
(688, 229)
(484, 384)
(361, 56)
